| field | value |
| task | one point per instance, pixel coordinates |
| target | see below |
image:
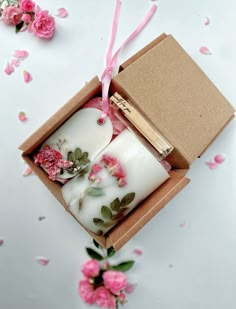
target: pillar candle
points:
(120, 177)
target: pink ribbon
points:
(111, 60)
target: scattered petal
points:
(182, 224)
(130, 288)
(211, 165)
(219, 159)
(27, 76)
(22, 116)
(15, 62)
(207, 22)
(205, 50)
(62, 12)
(28, 172)
(1, 242)
(138, 252)
(41, 218)
(20, 54)
(9, 69)
(42, 261)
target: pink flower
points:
(122, 298)
(115, 169)
(104, 298)
(96, 168)
(43, 25)
(51, 160)
(115, 281)
(27, 5)
(26, 18)
(86, 292)
(91, 268)
(11, 15)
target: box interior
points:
(161, 102)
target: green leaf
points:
(84, 155)
(111, 251)
(96, 244)
(98, 221)
(108, 224)
(78, 153)
(124, 266)
(93, 191)
(94, 255)
(19, 26)
(115, 205)
(71, 156)
(122, 210)
(106, 212)
(127, 199)
(117, 217)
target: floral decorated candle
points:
(123, 174)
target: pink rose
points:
(86, 292)
(115, 281)
(11, 15)
(43, 25)
(26, 18)
(27, 5)
(91, 268)
(104, 298)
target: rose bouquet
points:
(25, 14)
(104, 284)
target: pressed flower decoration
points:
(104, 284)
(25, 14)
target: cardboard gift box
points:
(176, 97)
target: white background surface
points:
(189, 252)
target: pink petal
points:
(9, 69)
(207, 22)
(42, 261)
(138, 251)
(182, 224)
(15, 62)
(28, 171)
(130, 288)
(211, 165)
(22, 116)
(21, 54)
(1, 242)
(62, 12)
(205, 50)
(27, 76)
(219, 159)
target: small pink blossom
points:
(43, 25)
(15, 62)
(130, 288)
(86, 292)
(104, 298)
(91, 268)
(26, 5)
(26, 18)
(11, 15)
(20, 54)
(122, 298)
(27, 76)
(9, 69)
(96, 168)
(122, 182)
(51, 160)
(115, 281)
(22, 116)
(114, 168)
(211, 165)
(62, 12)
(138, 252)
(207, 21)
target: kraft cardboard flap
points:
(85, 94)
(168, 87)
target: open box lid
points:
(178, 99)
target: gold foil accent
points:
(154, 137)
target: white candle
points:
(81, 132)
(121, 176)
